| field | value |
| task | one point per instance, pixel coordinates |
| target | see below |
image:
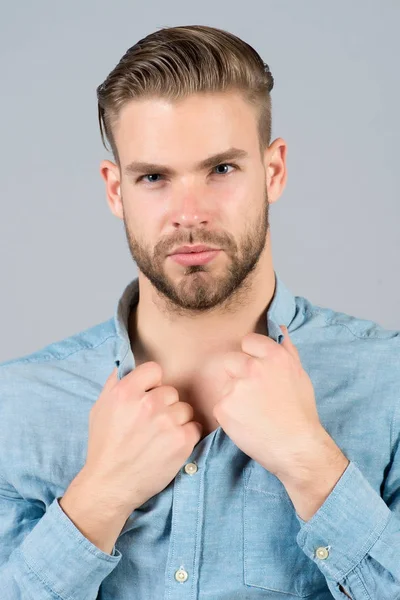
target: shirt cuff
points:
(63, 558)
(349, 522)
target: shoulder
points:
(87, 339)
(348, 348)
(356, 359)
(48, 392)
(326, 323)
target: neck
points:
(177, 342)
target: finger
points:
(288, 344)
(112, 379)
(164, 394)
(220, 371)
(236, 364)
(259, 346)
(146, 376)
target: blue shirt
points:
(225, 527)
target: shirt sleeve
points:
(44, 555)
(354, 537)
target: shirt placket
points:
(183, 563)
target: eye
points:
(157, 177)
(223, 165)
(151, 175)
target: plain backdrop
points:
(64, 258)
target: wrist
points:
(309, 457)
(86, 492)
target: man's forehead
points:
(154, 140)
(206, 112)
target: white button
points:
(191, 468)
(322, 552)
(181, 575)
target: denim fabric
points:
(228, 531)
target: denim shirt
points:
(225, 527)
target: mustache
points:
(166, 246)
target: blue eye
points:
(160, 176)
(223, 165)
(152, 175)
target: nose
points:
(190, 210)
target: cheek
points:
(233, 201)
(143, 214)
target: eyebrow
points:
(137, 167)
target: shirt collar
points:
(280, 312)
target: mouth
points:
(194, 258)
(193, 249)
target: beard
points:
(201, 288)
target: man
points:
(218, 438)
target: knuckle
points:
(149, 403)
(165, 420)
(254, 365)
(154, 367)
(188, 411)
(170, 393)
(182, 437)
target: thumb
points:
(220, 371)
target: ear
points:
(110, 173)
(275, 169)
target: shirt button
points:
(322, 552)
(191, 468)
(181, 575)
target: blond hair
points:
(177, 61)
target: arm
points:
(100, 522)
(357, 530)
(44, 555)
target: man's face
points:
(223, 205)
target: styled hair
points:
(174, 62)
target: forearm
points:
(314, 475)
(309, 486)
(54, 560)
(97, 518)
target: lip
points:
(188, 259)
(190, 249)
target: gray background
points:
(64, 257)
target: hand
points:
(264, 401)
(140, 435)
